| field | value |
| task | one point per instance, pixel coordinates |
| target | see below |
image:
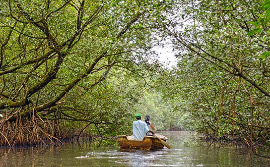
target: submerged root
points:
(30, 131)
(260, 146)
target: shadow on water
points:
(187, 151)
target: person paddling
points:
(149, 123)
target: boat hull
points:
(148, 143)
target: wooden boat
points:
(148, 142)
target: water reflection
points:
(187, 151)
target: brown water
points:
(187, 151)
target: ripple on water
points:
(181, 155)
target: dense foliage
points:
(55, 57)
(223, 70)
(77, 67)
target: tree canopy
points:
(74, 67)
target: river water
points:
(187, 151)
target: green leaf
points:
(266, 5)
(252, 32)
(265, 55)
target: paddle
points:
(162, 141)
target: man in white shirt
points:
(140, 128)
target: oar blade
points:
(164, 143)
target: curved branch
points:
(237, 71)
(49, 77)
(13, 69)
(21, 33)
(4, 44)
(56, 10)
(52, 74)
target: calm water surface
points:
(187, 151)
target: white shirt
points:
(140, 129)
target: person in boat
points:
(140, 128)
(149, 123)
